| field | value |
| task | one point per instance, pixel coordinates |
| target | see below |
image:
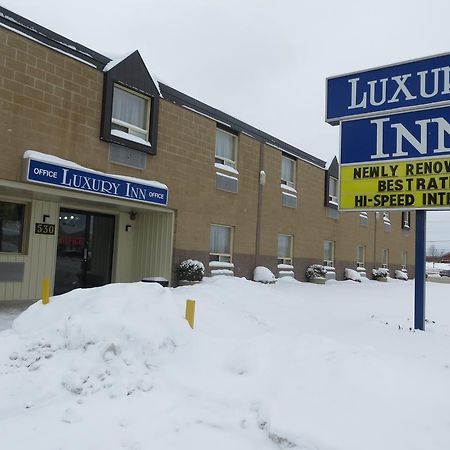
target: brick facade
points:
(52, 103)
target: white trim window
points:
(404, 258)
(333, 190)
(284, 252)
(360, 256)
(363, 218)
(226, 148)
(12, 218)
(385, 263)
(328, 253)
(288, 166)
(130, 113)
(406, 219)
(220, 248)
(387, 221)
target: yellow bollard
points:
(190, 312)
(45, 290)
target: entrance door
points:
(85, 249)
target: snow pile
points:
(267, 366)
(400, 275)
(350, 274)
(263, 275)
(102, 336)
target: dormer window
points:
(333, 190)
(332, 185)
(130, 114)
(130, 107)
(225, 148)
(288, 171)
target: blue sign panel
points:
(94, 183)
(413, 135)
(420, 83)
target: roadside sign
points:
(400, 161)
(395, 144)
(413, 135)
(419, 84)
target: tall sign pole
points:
(419, 286)
(395, 144)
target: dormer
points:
(332, 184)
(130, 104)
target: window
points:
(333, 190)
(220, 243)
(328, 253)
(285, 249)
(225, 148)
(130, 106)
(363, 218)
(288, 171)
(404, 257)
(11, 227)
(385, 263)
(130, 114)
(406, 217)
(360, 256)
(289, 200)
(387, 221)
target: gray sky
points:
(262, 61)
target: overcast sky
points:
(262, 61)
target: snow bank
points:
(285, 365)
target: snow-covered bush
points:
(350, 274)
(190, 270)
(381, 272)
(400, 275)
(316, 271)
(263, 275)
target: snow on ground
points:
(434, 268)
(267, 366)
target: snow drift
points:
(285, 365)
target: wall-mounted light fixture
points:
(262, 177)
(133, 215)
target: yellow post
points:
(45, 290)
(190, 312)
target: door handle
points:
(85, 254)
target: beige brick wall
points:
(52, 103)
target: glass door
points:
(85, 250)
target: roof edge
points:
(179, 98)
(60, 43)
(51, 39)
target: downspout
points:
(261, 182)
(375, 216)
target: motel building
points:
(107, 176)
